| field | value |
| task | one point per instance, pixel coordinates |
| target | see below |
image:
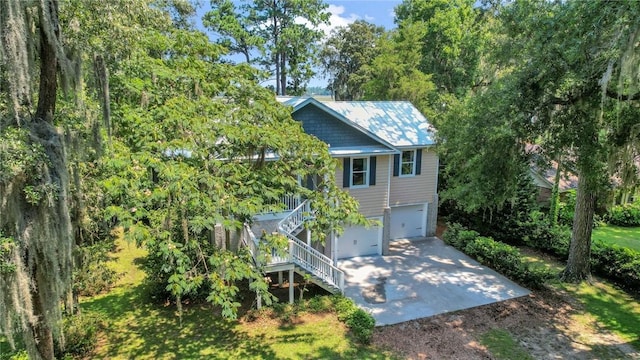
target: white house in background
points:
(389, 164)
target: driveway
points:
(422, 278)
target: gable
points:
(331, 130)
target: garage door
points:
(360, 241)
(408, 221)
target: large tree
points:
(452, 41)
(35, 225)
(568, 82)
(344, 54)
(578, 67)
(280, 35)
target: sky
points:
(344, 12)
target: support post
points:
(386, 230)
(280, 279)
(291, 286)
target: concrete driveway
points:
(422, 278)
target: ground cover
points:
(628, 237)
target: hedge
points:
(501, 257)
(625, 215)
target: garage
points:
(408, 221)
(360, 241)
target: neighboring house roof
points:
(545, 178)
(393, 123)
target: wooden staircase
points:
(304, 258)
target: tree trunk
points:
(41, 332)
(578, 266)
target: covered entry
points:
(408, 221)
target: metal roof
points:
(398, 123)
(360, 150)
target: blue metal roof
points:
(397, 123)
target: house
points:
(389, 164)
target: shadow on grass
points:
(615, 314)
(139, 329)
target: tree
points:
(284, 33)
(344, 54)
(452, 41)
(193, 146)
(394, 74)
(34, 181)
(571, 56)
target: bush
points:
(507, 260)
(458, 237)
(93, 276)
(619, 264)
(625, 215)
(359, 321)
(540, 235)
(81, 335)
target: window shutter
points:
(396, 164)
(418, 161)
(372, 170)
(346, 174)
(310, 182)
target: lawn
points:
(139, 329)
(628, 237)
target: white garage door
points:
(360, 241)
(408, 221)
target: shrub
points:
(625, 215)
(458, 237)
(541, 235)
(93, 276)
(359, 321)
(81, 335)
(361, 324)
(507, 260)
(619, 264)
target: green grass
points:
(628, 237)
(503, 346)
(613, 308)
(142, 330)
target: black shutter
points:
(372, 170)
(346, 174)
(310, 182)
(396, 164)
(418, 161)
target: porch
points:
(298, 256)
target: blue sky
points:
(379, 12)
(344, 12)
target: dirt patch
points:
(541, 323)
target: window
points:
(359, 172)
(408, 165)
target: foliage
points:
(393, 74)
(625, 215)
(92, 276)
(551, 239)
(284, 33)
(359, 321)
(501, 257)
(566, 208)
(451, 43)
(344, 54)
(81, 335)
(619, 264)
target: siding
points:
(374, 198)
(420, 188)
(329, 129)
